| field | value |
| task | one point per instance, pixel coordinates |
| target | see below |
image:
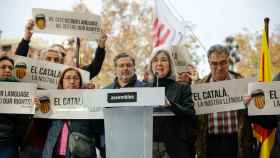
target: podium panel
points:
(128, 132)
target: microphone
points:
(156, 74)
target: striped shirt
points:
(223, 122)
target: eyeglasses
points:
(125, 65)
(53, 59)
(75, 78)
(220, 63)
(7, 67)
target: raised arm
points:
(23, 46)
(95, 66)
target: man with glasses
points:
(222, 134)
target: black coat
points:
(176, 132)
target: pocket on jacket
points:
(81, 145)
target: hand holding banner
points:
(265, 98)
(219, 96)
(89, 103)
(67, 23)
(45, 74)
(17, 101)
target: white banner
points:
(265, 98)
(45, 74)
(220, 96)
(16, 98)
(88, 104)
(67, 23)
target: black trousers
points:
(165, 131)
(222, 146)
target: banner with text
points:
(45, 74)
(67, 23)
(89, 103)
(265, 98)
(16, 98)
(220, 96)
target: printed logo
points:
(20, 69)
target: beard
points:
(126, 76)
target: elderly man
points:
(223, 134)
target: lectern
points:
(128, 118)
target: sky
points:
(213, 20)
(14, 14)
(216, 19)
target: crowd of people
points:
(182, 135)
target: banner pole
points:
(78, 44)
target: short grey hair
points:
(218, 48)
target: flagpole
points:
(266, 24)
(78, 44)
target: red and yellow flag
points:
(265, 136)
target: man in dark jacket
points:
(125, 73)
(124, 70)
(12, 127)
(223, 134)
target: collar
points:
(131, 82)
(230, 77)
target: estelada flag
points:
(167, 28)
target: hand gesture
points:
(89, 86)
(28, 31)
(247, 100)
(102, 40)
(36, 102)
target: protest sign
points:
(265, 98)
(16, 98)
(220, 96)
(45, 74)
(89, 103)
(66, 23)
